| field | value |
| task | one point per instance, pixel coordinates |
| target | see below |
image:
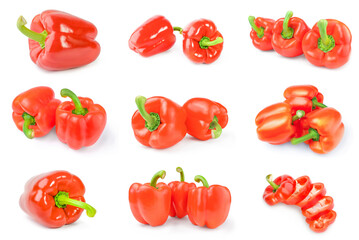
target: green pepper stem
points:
(270, 181)
(62, 199)
(28, 120)
(178, 29)
(205, 42)
(317, 104)
(152, 119)
(180, 170)
(322, 25)
(201, 179)
(298, 115)
(287, 32)
(79, 110)
(216, 128)
(38, 37)
(258, 30)
(160, 174)
(313, 134)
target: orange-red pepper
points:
(150, 203)
(325, 130)
(205, 118)
(287, 36)
(79, 123)
(278, 190)
(34, 111)
(262, 31)
(328, 44)
(179, 195)
(55, 199)
(158, 122)
(208, 205)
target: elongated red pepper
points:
(55, 199)
(328, 44)
(262, 31)
(158, 122)
(34, 111)
(59, 41)
(205, 118)
(179, 195)
(287, 36)
(304, 97)
(150, 203)
(79, 123)
(152, 37)
(278, 190)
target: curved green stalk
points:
(287, 32)
(325, 42)
(216, 128)
(270, 181)
(201, 179)
(62, 199)
(298, 115)
(178, 29)
(313, 134)
(258, 30)
(28, 120)
(79, 110)
(317, 104)
(152, 120)
(160, 174)
(38, 37)
(206, 42)
(180, 171)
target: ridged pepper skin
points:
(328, 44)
(46, 199)
(159, 122)
(287, 36)
(202, 43)
(34, 111)
(150, 203)
(152, 37)
(205, 118)
(179, 196)
(80, 122)
(261, 33)
(60, 41)
(208, 205)
(279, 190)
(304, 97)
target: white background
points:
(243, 79)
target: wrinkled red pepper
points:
(262, 31)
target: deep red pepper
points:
(279, 190)
(59, 41)
(262, 31)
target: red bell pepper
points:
(287, 36)
(34, 111)
(59, 41)
(276, 125)
(79, 123)
(328, 44)
(152, 37)
(205, 118)
(304, 97)
(202, 43)
(179, 192)
(208, 205)
(262, 31)
(278, 190)
(150, 203)
(325, 130)
(158, 122)
(55, 199)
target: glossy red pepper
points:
(179, 195)
(158, 122)
(79, 123)
(287, 36)
(55, 199)
(202, 43)
(152, 37)
(208, 205)
(328, 44)
(34, 111)
(59, 41)
(278, 190)
(262, 31)
(205, 118)
(150, 203)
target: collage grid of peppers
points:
(61, 41)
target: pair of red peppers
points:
(327, 44)
(153, 202)
(310, 197)
(161, 123)
(302, 117)
(202, 43)
(79, 122)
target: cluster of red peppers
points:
(302, 117)
(202, 43)
(55, 199)
(161, 123)
(79, 123)
(316, 207)
(60, 41)
(327, 44)
(153, 202)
